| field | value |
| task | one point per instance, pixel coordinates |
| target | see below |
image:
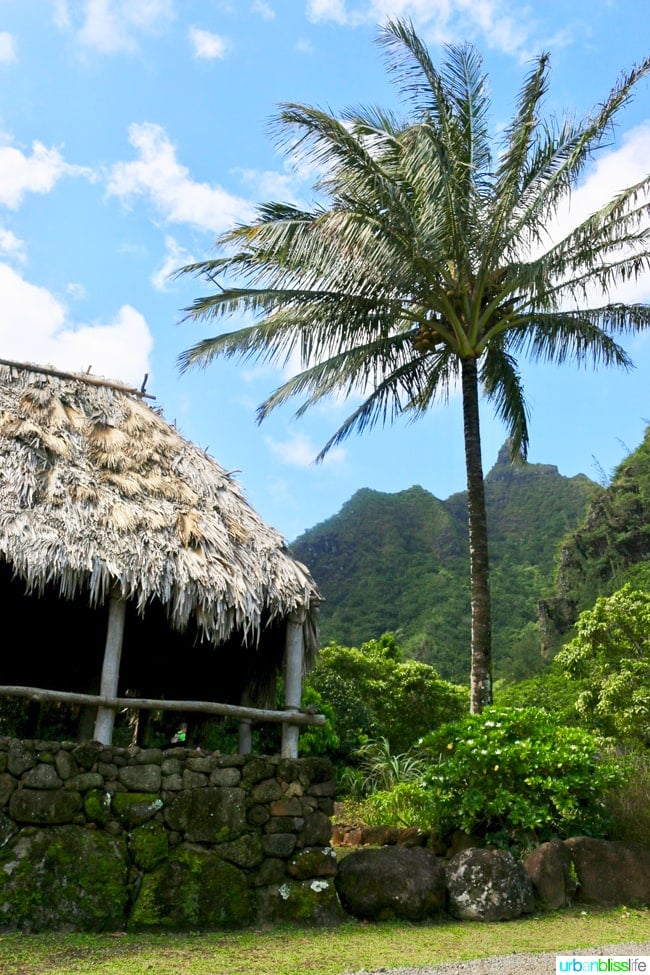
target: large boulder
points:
(552, 873)
(391, 882)
(488, 885)
(193, 889)
(610, 871)
(65, 878)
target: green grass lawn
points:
(290, 951)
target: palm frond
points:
(501, 381)
(349, 372)
(576, 336)
(467, 85)
(622, 224)
(386, 403)
(510, 177)
(561, 158)
(453, 104)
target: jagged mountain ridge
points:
(400, 562)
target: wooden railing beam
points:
(149, 704)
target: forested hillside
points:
(399, 562)
(609, 548)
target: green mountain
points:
(400, 562)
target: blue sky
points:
(133, 132)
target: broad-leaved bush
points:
(517, 775)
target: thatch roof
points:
(98, 491)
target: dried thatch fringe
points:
(96, 489)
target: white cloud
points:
(328, 10)
(12, 246)
(34, 327)
(506, 27)
(612, 172)
(112, 26)
(501, 30)
(7, 48)
(263, 9)
(269, 184)
(299, 451)
(37, 173)
(158, 175)
(175, 257)
(207, 46)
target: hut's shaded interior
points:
(58, 644)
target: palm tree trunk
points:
(481, 646)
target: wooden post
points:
(245, 745)
(293, 667)
(111, 667)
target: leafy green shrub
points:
(374, 693)
(353, 718)
(553, 690)
(517, 776)
(317, 739)
(13, 717)
(408, 804)
(611, 653)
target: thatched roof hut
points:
(100, 499)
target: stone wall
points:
(95, 837)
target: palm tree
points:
(429, 264)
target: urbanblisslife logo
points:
(602, 963)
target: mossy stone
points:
(256, 770)
(313, 862)
(209, 815)
(7, 786)
(65, 878)
(244, 852)
(311, 903)
(7, 829)
(135, 808)
(87, 754)
(192, 890)
(149, 845)
(44, 806)
(97, 806)
(266, 791)
(20, 758)
(141, 778)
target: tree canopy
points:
(426, 262)
(612, 649)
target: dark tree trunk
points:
(481, 647)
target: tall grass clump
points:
(628, 808)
